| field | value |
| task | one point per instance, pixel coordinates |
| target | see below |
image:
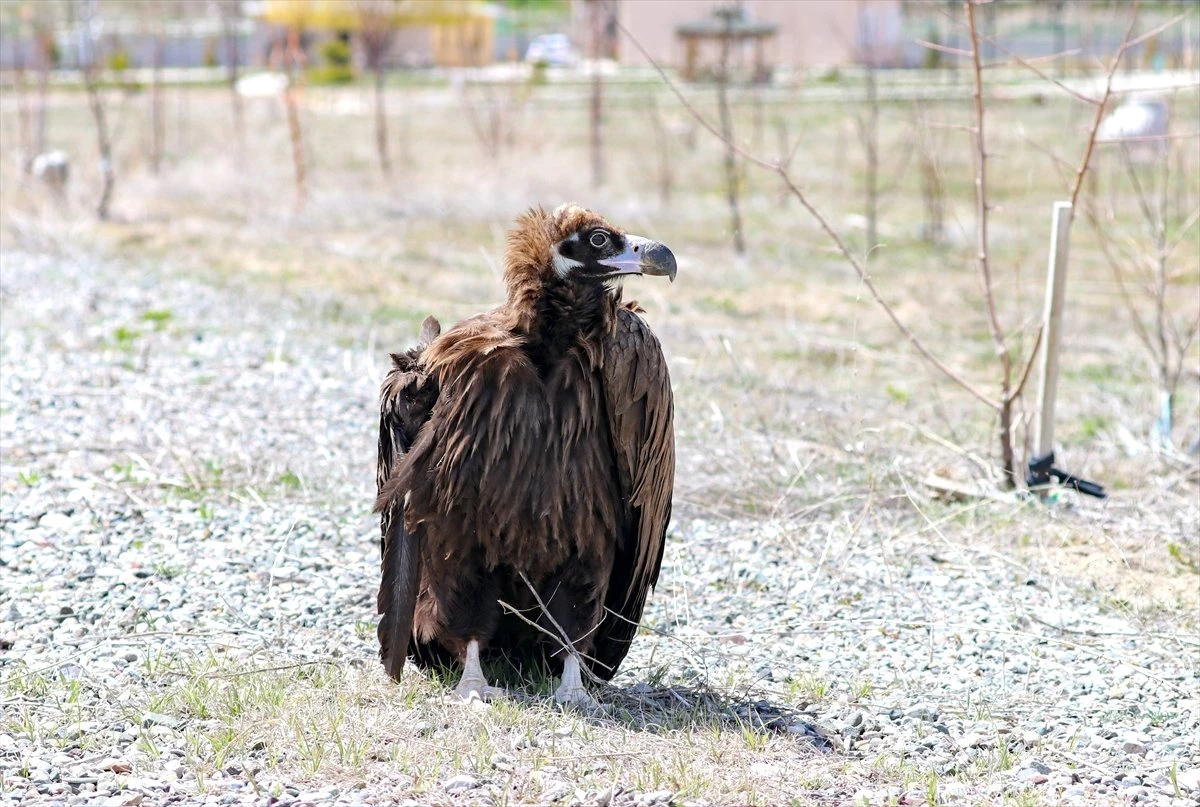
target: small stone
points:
(555, 791)
(460, 783)
(1134, 747)
(158, 719)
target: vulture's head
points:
(576, 246)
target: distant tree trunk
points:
(24, 122)
(375, 34)
(598, 15)
(157, 135)
(96, 104)
(229, 30)
(1060, 36)
(292, 58)
(89, 65)
(44, 40)
(381, 138)
(933, 189)
(731, 169)
(869, 134)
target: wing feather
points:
(641, 422)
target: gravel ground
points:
(187, 476)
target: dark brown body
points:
(528, 449)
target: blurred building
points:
(811, 33)
(446, 33)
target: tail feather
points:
(398, 593)
(406, 400)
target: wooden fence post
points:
(1056, 283)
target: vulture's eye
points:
(599, 239)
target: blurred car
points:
(551, 49)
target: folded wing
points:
(641, 421)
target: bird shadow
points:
(650, 708)
(659, 709)
(665, 708)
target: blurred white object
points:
(261, 85)
(1137, 119)
(552, 49)
(53, 168)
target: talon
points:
(577, 697)
(478, 689)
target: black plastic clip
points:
(1041, 469)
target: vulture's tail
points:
(398, 592)
(405, 402)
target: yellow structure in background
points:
(461, 32)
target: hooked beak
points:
(642, 257)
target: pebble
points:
(459, 783)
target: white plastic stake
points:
(1056, 284)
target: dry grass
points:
(797, 403)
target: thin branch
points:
(1060, 163)
(1155, 31)
(785, 177)
(1076, 94)
(1139, 192)
(966, 54)
(1114, 264)
(1184, 231)
(564, 637)
(1156, 138)
(1033, 352)
(1049, 57)
(1108, 80)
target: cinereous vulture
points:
(526, 461)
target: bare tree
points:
(24, 118)
(377, 20)
(43, 34)
(999, 337)
(291, 55)
(599, 11)
(933, 186)
(494, 121)
(89, 68)
(1146, 278)
(867, 122)
(157, 135)
(731, 167)
(230, 18)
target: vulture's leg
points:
(570, 688)
(472, 683)
(575, 607)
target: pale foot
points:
(473, 684)
(570, 690)
(478, 688)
